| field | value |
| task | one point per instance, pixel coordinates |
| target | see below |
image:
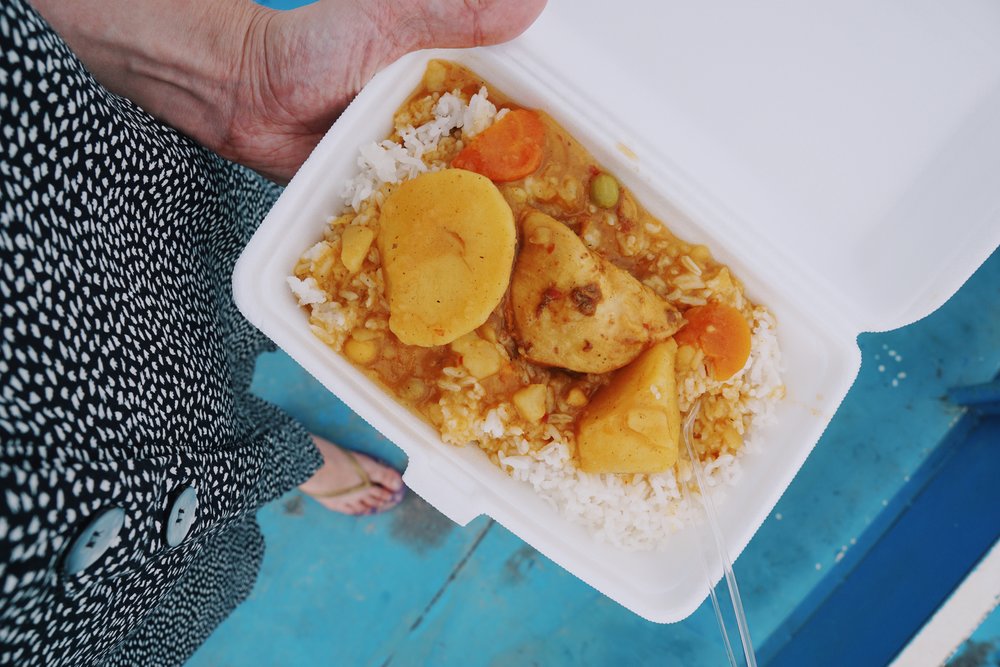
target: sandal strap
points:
(363, 484)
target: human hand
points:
(303, 67)
(258, 86)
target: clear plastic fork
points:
(720, 551)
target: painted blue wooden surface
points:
(409, 588)
(941, 524)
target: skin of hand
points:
(261, 87)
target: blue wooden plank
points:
(875, 530)
(331, 590)
(335, 589)
(511, 606)
(882, 434)
(982, 397)
(952, 521)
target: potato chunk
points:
(574, 309)
(356, 242)
(633, 424)
(447, 242)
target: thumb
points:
(460, 23)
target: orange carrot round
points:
(509, 149)
(722, 334)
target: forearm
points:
(183, 61)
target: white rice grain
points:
(308, 291)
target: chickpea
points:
(414, 389)
(361, 352)
(479, 357)
(576, 398)
(482, 360)
(530, 402)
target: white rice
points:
(389, 162)
(639, 513)
(306, 291)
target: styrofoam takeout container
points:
(842, 158)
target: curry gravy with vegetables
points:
(524, 369)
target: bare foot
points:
(338, 472)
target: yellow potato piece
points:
(356, 242)
(633, 423)
(447, 242)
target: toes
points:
(379, 500)
(369, 501)
(381, 474)
(378, 495)
(370, 504)
(387, 487)
(387, 478)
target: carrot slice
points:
(509, 149)
(723, 335)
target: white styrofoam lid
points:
(859, 142)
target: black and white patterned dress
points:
(124, 369)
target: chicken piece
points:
(574, 309)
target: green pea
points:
(604, 190)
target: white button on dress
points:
(94, 541)
(181, 516)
